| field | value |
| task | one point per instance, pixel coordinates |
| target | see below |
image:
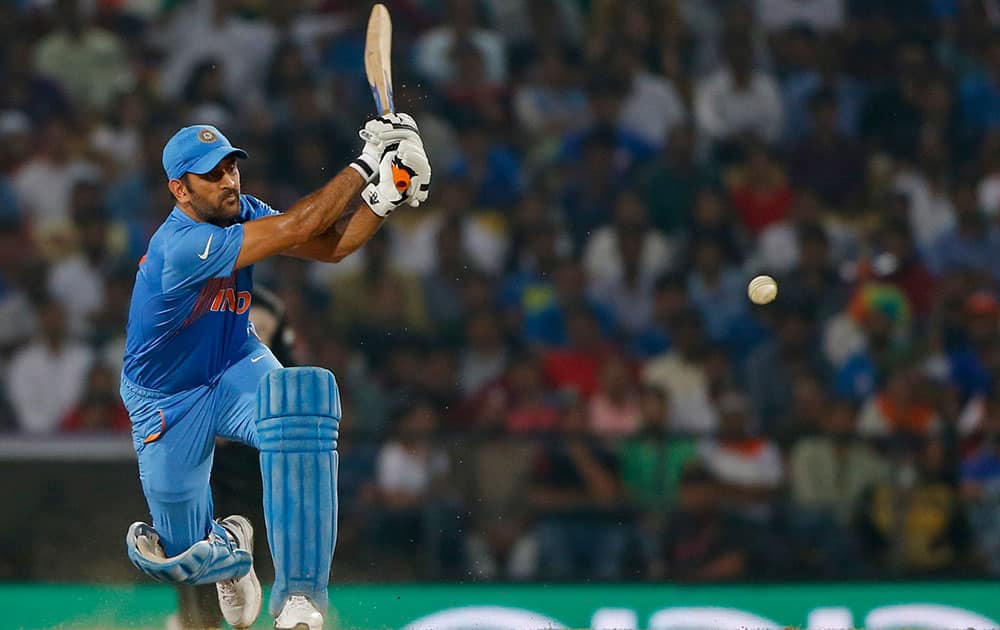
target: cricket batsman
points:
(194, 369)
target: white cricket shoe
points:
(298, 613)
(240, 599)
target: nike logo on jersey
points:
(208, 246)
(258, 358)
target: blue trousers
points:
(174, 437)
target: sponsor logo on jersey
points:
(229, 300)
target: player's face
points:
(215, 196)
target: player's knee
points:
(298, 409)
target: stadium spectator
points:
(489, 165)
(608, 261)
(379, 294)
(100, 407)
(899, 407)
(899, 263)
(442, 283)
(890, 119)
(748, 467)
(652, 108)
(527, 404)
(700, 543)
(47, 378)
(772, 367)
(575, 368)
(816, 280)
(826, 160)
(831, 469)
(822, 70)
(470, 92)
(934, 535)
(868, 340)
(716, 289)
(971, 244)
(713, 219)
(759, 189)
(737, 100)
(88, 62)
(550, 103)
(652, 459)
(431, 51)
(681, 373)
(673, 184)
(614, 409)
(77, 279)
(410, 476)
(669, 299)
(453, 227)
(577, 496)
(971, 357)
(212, 30)
(44, 183)
(925, 186)
(486, 355)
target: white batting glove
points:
(414, 159)
(380, 135)
(382, 195)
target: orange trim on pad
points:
(163, 427)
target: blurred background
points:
(550, 371)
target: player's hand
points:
(383, 134)
(382, 195)
(390, 128)
(412, 157)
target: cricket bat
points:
(378, 67)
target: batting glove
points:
(382, 195)
(381, 135)
(414, 159)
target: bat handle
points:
(401, 177)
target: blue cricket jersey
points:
(190, 310)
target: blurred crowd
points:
(551, 369)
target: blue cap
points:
(196, 149)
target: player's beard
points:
(221, 211)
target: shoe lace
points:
(227, 589)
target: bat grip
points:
(401, 178)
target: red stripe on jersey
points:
(208, 292)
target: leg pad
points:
(297, 423)
(205, 562)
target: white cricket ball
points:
(762, 289)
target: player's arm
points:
(349, 233)
(354, 229)
(388, 140)
(307, 219)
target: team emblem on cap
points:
(207, 136)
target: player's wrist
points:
(366, 166)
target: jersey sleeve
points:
(200, 253)
(254, 208)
